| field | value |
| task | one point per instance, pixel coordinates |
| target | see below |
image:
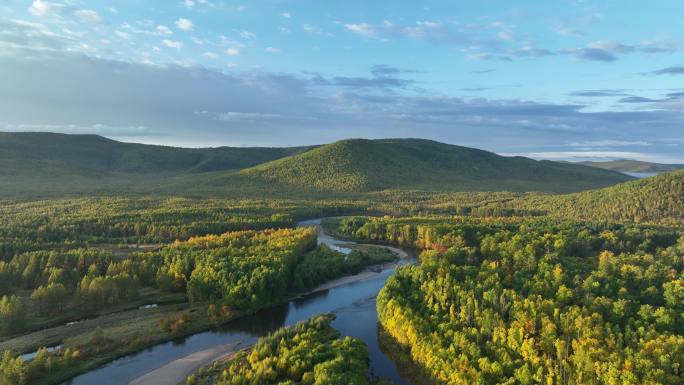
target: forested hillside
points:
(50, 155)
(659, 199)
(37, 165)
(47, 164)
(415, 164)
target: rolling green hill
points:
(48, 164)
(45, 165)
(659, 199)
(27, 154)
(370, 165)
(635, 166)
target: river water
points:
(352, 303)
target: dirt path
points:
(177, 371)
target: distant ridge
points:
(359, 165)
(62, 154)
(46, 164)
(634, 166)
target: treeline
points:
(440, 233)
(308, 353)
(35, 225)
(39, 225)
(83, 279)
(538, 303)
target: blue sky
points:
(563, 79)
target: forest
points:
(529, 288)
(222, 276)
(533, 302)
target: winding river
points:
(353, 303)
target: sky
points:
(555, 79)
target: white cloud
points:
(233, 51)
(184, 24)
(210, 55)
(121, 94)
(40, 8)
(273, 50)
(74, 34)
(123, 35)
(172, 44)
(248, 35)
(362, 29)
(312, 29)
(610, 46)
(609, 143)
(242, 116)
(146, 59)
(577, 156)
(192, 3)
(88, 16)
(505, 36)
(286, 15)
(164, 30)
(565, 31)
(35, 36)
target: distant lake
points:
(642, 175)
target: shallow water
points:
(642, 175)
(32, 355)
(353, 304)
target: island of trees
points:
(309, 353)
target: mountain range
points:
(47, 164)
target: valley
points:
(224, 192)
(115, 288)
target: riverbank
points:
(170, 373)
(177, 371)
(59, 333)
(367, 273)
